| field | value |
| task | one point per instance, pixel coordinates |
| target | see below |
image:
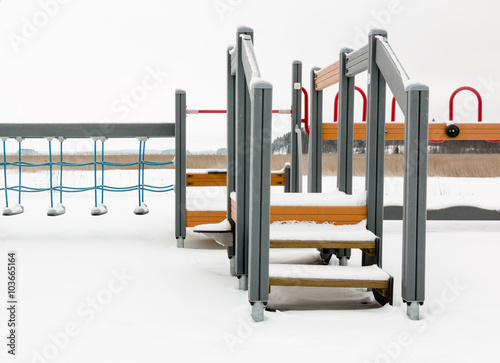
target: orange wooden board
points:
(195, 218)
(319, 214)
(437, 131)
(220, 179)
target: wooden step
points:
(370, 277)
(323, 236)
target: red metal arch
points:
(336, 109)
(479, 102)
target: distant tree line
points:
(282, 145)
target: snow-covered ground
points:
(115, 288)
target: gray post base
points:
(412, 310)
(343, 261)
(258, 311)
(232, 266)
(180, 242)
(243, 282)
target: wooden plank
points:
(437, 131)
(203, 213)
(220, 179)
(368, 245)
(331, 68)
(195, 218)
(373, 284)
(326, 83)
(331, 214)
(318, 210)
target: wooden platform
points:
(335, 214)
(216, 179)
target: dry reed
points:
(448, 165)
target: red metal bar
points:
(305, 120)
(212, 111)
(479, 102)
(224, 111)
(336, 102)
(393, 109)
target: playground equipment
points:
(99, 132)
(252, 208)
(187, 214)
(438, 132)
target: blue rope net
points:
(141, 186)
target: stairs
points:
(330, 234)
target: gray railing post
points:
(414, 203)
(345, 126)
(243, 119)
(260, 200)
(286, 169)
(180, 167)
(231, 153)
(315, 156)
(296, 171)
(375, 145)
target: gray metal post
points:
(415, 192)
(243, 119)
(375, 142)
(180, 167)
(296, 171)
(260, 200)
(345, 126)
(231, 153)
(287, 177)
(315, 156)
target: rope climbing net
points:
(99, 208)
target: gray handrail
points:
(251, 98)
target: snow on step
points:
(320, 272)
(223, 226)
(334, 199)
(310, 231)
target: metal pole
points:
(231, 152)
(243, 117)
(345, 126)
(260, 200)
(414, 202)
(180, 167)
(296, 171)
(375, 145)
(314, 168)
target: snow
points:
(310, 231)
(13, 210)
(223, 226)
(334, 198)
(56, 210)
(171, 300)
(372, 273)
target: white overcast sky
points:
(75, 61)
